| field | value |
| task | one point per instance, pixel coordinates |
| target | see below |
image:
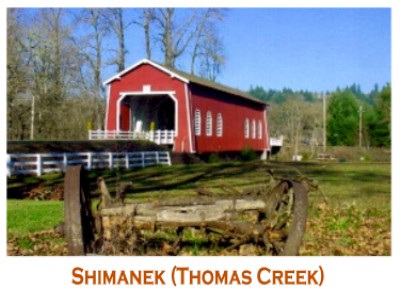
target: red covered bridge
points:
(191, 114)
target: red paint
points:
(234, 109)
(159, 81)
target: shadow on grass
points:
(183, 177)
(144, 180)
(175, 178)
(18, 187)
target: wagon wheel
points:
(78, 218)
(286, 218)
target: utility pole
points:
(324, 122)
(360, 126)
(32, 116)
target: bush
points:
(213, 158)
(306, 156)
(248, 154)
(367, 158)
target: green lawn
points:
(24, 217)
(352, 218)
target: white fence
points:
(160, 137)
(38, 164)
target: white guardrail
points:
(276, 142)
(41, 163)
(160, 137)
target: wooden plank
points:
(189, 210)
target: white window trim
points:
(260, 130)
(209, 124)
(197, 122)
(220, 125)
(246, 128)
(253, 129)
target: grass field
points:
(349, 215)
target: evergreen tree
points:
(259, 93)
(379, 121)
(342, 125)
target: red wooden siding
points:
(234, 110)
(159, 81)
(191, 94)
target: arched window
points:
(209, 124)
(246, 129)
(220, 125)
(260, 130)
(197, 122)
(253, 129)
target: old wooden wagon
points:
(271, 218)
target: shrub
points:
(213, 158)
(248, 154)
(367, 158)
(306, 156)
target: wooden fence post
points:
(78, 218)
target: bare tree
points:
(299, 121)
(200, 29)
(50, 67)
(115, 19)
(185, 33)
(212, 58)
(174, 36)
(57, 60)
(57, 56)
(292, 110)
(16, 68)
(46, 41)
(92, 49)
(208, 46)
(16, 74)
(145, 22)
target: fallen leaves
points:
(346, 231)
(43, 243)
(330, 231)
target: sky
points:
(311, 49)
(314, 49)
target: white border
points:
(346, 277)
